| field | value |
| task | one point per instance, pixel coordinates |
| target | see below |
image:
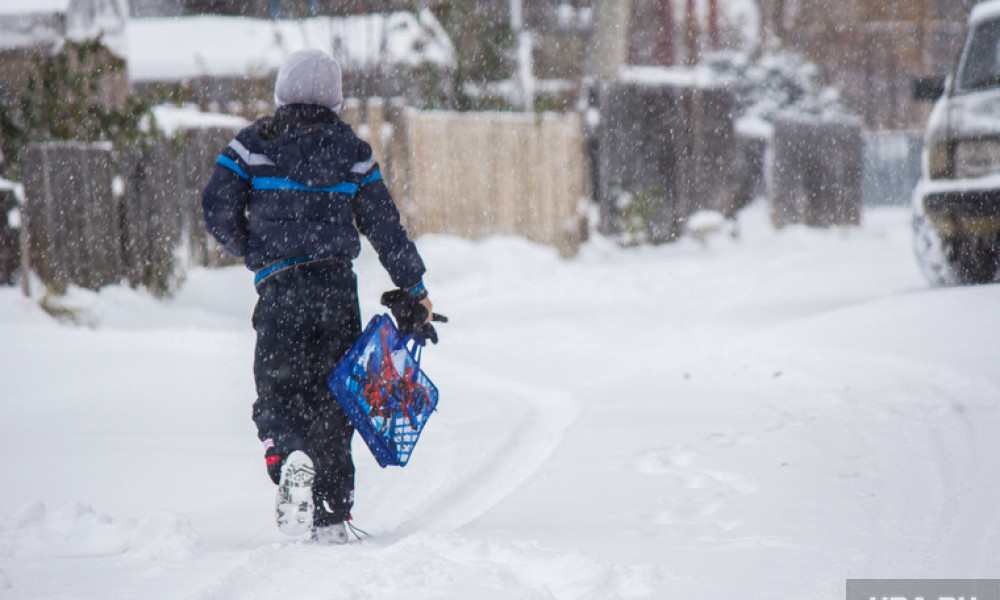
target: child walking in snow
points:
(290, 195)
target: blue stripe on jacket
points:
(288, 262)
(284, 183)
(230, 164)
(266, 226)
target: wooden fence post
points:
(25, 241)
(197, 152)
(398, 162)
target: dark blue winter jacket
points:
(299, 186)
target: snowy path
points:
(756, 418)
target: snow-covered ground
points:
(761, 417)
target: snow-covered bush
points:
(75, 94)
(776, 81)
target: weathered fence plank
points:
(10, 254)
(152, 226)
(76, 234)
(397, 161)
(198, 150)
(162, 215)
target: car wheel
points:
(931, 253)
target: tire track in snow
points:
(535, 422)
(453, 484)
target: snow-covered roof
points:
(171, 49)
(29, 7)
(985, 10)
(24, 7)
(171, 119)
(699, 76)
(34, 23)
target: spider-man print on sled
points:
(380, 386)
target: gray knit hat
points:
(309, 77)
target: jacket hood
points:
(305, 142)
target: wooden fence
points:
(671, 147)
(476, 175)
(95, 217)
(161, 207)
(480, 174)
(71, 217)
(816, 171)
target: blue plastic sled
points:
(380, 386)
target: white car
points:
(957, 202)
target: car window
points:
(981, 67)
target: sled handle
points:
(421, 341)
(418, 346)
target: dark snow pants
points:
(306, 318)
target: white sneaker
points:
(330, 535)
(293, 506)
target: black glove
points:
(411, 315)
(426, 331)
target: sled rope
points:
(357, 531)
